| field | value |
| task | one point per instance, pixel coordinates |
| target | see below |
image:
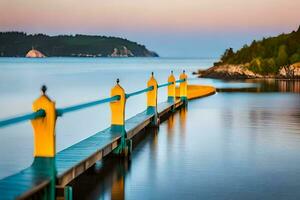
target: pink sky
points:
(150, 17)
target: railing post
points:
(118, 115)
(44, 141)
(44, 128)
(152, 99)
(183, 87)
(171, 88)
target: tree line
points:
(17, 44)
(268, 55)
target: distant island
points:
(20, 44)
(273, 57)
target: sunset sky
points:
(185, 28)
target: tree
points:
(270, 66)
(282, 56)
(227, 55)
(294, 58)
(255, 65)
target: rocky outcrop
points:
(242, 72)
(121, 52)
(228, 72)
(33, 53)
(290, 71)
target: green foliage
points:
(256, 65)
(295, 58)
(282, 57)
(268, 55)
(263, 66)
(19, 43)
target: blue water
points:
(232, 145)
(72, 81)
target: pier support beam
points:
(64, 193)
(152, 100)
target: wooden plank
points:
(164, 108)
(28, 181)
(137, 123)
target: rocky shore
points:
(242, 72)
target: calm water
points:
(71, 81)
(233, 145)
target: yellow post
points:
(118, 116)
(152, 99)
(44, 128)
(171, 88)
(118, 107)
(183, 87)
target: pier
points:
(51, 172)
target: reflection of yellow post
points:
(170, 122)
(182, 115)
(118, 190)
(183, 87)
(118, 115)
(152, 99)
(44, 128)
(171, 88)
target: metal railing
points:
(164, 85)
(25, 117)
(139, 92)
(59, 112)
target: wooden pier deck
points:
(50, 173)
(73, 161)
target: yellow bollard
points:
(171, 88)
(44, 128)
(152, 99)
(118, 117)
(152, 95)
(183, 87)
(118, 107)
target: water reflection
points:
(170, 123)
(182, 122)
(272, 85)
(264, 85)
(106, 180)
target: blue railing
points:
(25, 117)
(180, 80)
(139, 92)
(59, 112)
(164, 85)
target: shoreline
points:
(235, 72)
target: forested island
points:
(275, 57)
(18, 44)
